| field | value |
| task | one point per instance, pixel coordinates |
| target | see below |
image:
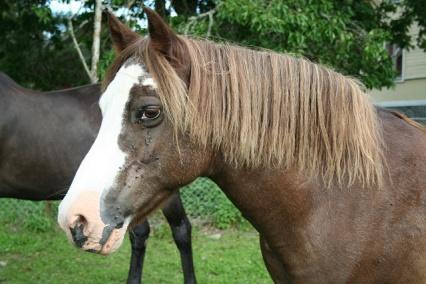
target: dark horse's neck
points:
(43, 138)
(317, 234)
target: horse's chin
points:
(114, 241)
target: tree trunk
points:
(96, 41)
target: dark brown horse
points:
(335, 187)
(44, 137)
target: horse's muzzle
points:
(80, 219)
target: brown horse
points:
(335, 187)
(43, 139)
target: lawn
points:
(230, 256)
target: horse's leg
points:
(181, 229)
(274, 266)
(138, 236)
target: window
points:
(396, 53)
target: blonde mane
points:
(262, 109)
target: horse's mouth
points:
(110, 240)
(92, 250)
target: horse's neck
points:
(311, 228)
(292, 213)
(270, 197)
(270, 200)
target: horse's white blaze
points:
(102, 163)
(149, 82)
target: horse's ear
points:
(121, 35)
(161, 35)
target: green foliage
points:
(33, 49)
(33, 216)
(36, 49)
(347, 35)
(401, 15)
(204, 199)
(227, 216)
(105, 61)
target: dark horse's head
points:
(138, 157)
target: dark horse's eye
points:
(148, 114)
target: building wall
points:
(406, 92)
(414, 64)
(409, 93)
(414, 59)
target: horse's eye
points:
(151, 113)
(148, 113)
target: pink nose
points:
(79, 217)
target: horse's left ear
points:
(121, 35)
(161, 35)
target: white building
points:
(409, 93)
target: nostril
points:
(81, 220)
(77, 230)
(77, 220)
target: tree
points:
(92, 73)
(96, 40)
(347, 35)
(400, 16)
(33, 49)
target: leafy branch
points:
(192, 21)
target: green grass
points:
(47, 257)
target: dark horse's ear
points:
(162, 36)
(121, 35)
